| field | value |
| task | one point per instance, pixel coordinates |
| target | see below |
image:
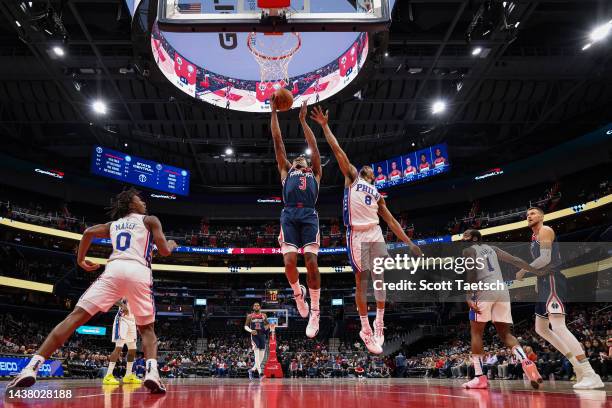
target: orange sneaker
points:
(480, 382)
(532, 373)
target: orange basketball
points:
(283, 99)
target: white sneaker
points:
(590, 381)
(379, 332)
(371, 344)
(26, 378)
(579, 373)
(302, 305)
(313, 324)
(154, 383)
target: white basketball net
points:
(273, 53)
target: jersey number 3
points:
(123, 241)
(302, 183)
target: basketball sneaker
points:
(379, 332)
(301, 304)
(371, 344)
(109, 379)
(26, 378)
(131, 379)
(480, 382)
(531, 371)
(154, 383)
(313, 324)
(590, 381)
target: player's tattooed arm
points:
(164, 247)
(395, 226)
(279, 145)
(266, 322)
(348, 170)
(96, 231)
(315, 156)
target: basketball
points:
(283, 99)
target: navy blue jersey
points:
(300, 188)
(257, 323)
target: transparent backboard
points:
(245, 16)
(278, 317)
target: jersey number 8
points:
(368, 200)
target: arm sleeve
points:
(542, 260)
(247, 328)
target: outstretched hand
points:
(318, 116)
(273, 103)
(303, 111)
(88, 265)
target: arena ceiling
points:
(531, 87)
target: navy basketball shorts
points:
(551, 293)
(299, 229)
(258, 342)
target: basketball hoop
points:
(273, 52)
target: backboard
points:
(278, 317)
(246, 16)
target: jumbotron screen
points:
(141, 172)
(411, 167)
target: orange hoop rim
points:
(289, 54)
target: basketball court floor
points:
(318, 393)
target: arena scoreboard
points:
(138, 171)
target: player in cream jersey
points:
(127, 275)
(492, 305)
(131, 240)
(362, 207)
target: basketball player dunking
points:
(492, 306)
(299, 219)
(256, 324)
(363, 205)
(127, 275)
(124, 333)
(550, 311)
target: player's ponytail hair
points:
(120, 205)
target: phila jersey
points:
(131, 240)
(491, 271)
(360, 205)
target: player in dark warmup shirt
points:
(257, 324)
(299, 218)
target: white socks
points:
(36, 362)
(128, 368)
(315, 295)
(519, 353)
(365, 324)
(152, 366)
(477, 360)
(380, 314)
(297, 291)
(111, 368)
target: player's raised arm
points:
(395, 226)
(315, 156)
(349, 171)
(164, 247)
(279, 145)
(96, 231)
